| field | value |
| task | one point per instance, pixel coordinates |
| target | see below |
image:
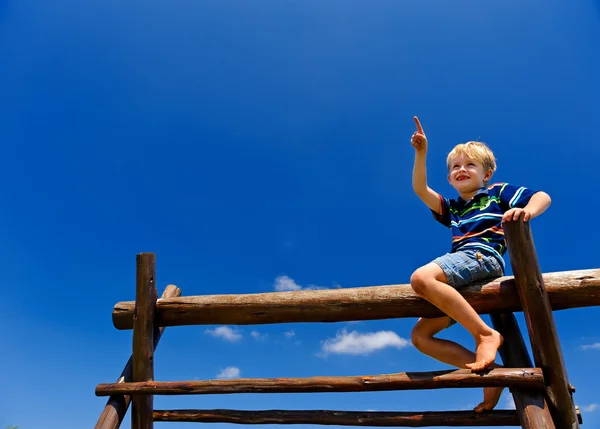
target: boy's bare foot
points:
(485, 354)
(491, 396)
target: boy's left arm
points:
(538, 203)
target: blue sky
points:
(256, 143)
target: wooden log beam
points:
(537, 309)
(143, 337)
(531, 406)
(523, 377)
(117, 405)
(567, 289)
(343, 418)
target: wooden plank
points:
(462, 378)
(143, 338)
(547, 353)
(531, 406)
(117, 405)
(343, 418)
(567, 289)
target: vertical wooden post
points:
(531, 406)
(143, 338)
(545, 344)
(117, 405)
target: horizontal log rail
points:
(345, 418)
(566, 289)
(528, 378)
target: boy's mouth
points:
(460, 178)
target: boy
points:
(478, 245)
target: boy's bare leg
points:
(429, 282)
(450, 353)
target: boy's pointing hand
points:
(418, 140)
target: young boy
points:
(478, 246)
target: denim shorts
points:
(468, 266)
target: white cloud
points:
(285, 283)
(289, 334)
(590, 408)
(258, 336)
(225, 332)
(229, 372)
(594, 346)
(315, 287)
(355, 343)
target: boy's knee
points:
(418, 281)
(419, 339)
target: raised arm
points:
(419, 177)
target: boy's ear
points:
(488, 175)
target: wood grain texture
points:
(143, 337)
(346, 418)
(530, 378)
(567, 289)
(537, 310)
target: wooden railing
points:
(541, 389)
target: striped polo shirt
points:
(477, 223)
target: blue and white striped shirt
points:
(477, 223)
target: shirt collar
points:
(481, 191)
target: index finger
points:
(419, 127)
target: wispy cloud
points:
(258, 336)
(355, 343)
(594, 346)
(509, 402)
(285, 284)
(289, 334)
(225, 332)
(590, 408)
(229, 372)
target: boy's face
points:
(467, 175)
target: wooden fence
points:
(542, 393)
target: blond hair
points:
(474, 150)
